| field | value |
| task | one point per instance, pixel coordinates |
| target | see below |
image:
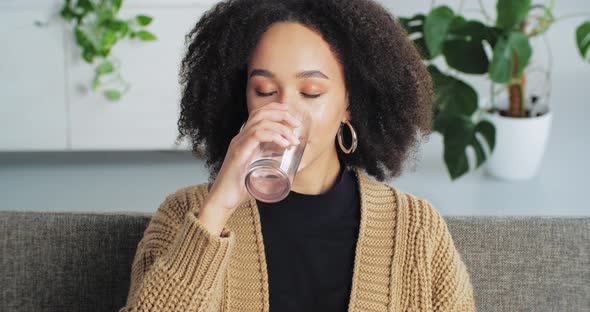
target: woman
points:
(341, 240)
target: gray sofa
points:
(81, 262)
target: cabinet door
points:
(145, 118)
(33, 108)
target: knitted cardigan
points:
(405, 257)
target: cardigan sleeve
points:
(178, 265)
(451, 284)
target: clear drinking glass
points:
(273, 168)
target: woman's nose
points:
(289, 97)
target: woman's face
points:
(283, 52)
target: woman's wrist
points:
(213, 217)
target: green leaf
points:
(116, 4)
(458, 136)
(488, 131)
(455, 102)
(145, 35)
(473, 30)
(109, 38)
(143, 20)
(464, 50)
(105, 68)
(436, 26)
(452, 95)
(511, 13)
(120, 27)
(479, 152)
(88, 56)
(67, 13)
(583, 39)
(105, 17)
(86, 5)
(515, 48)
(113, 95)
(493, 34)
(88, 49)
(81, 39)
(466, 56)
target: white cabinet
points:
(33, 107)
(146, 116)
(45, 98)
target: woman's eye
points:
(263, 94)
(311, 96)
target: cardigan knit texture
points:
(405, 257)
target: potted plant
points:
(513, 124)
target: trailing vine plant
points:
(97, 27)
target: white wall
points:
(46, 84)
(132, 180)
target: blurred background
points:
(67, 147)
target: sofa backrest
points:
(82, 261)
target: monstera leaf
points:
(454, 104)
(504, 56)
(463, 49)
(460, 133)
(436, 27)
(511, 13)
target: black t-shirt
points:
(310, 242)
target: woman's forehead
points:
(290, 49)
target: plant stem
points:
(517, 87)
(552, 20)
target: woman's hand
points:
(269, 123)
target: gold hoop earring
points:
(354, 139)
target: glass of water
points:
(273, 168)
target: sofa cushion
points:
(67, 261)
(82, 261)
(526, 263)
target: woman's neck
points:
(317, 177)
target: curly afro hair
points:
(390, 89)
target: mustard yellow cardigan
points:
(405, 257)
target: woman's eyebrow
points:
(300, 75)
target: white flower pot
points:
(520, 145)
